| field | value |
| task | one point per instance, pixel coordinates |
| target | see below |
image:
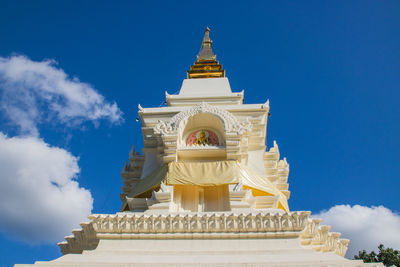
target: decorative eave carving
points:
(205, 225)
(82, 239)
(190, 226)
(231, 124)
(200, 223)
(265, 105)
(320, 239)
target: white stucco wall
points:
(256, 162)
(205, 87)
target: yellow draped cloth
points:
(207, 174)
(203, 173)
(150, 182)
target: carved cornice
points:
(200, 223)
(320, 239)
(201, 147)
(231, 124)
(205, 225)
(82, 239)
(190, 226)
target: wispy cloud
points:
(40, 199)
(33, 92)
(366, 227)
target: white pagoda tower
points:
(206, 191)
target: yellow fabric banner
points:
(253, 179)
(203, 173)
(211, 173)
(220, 172)
(149, 182)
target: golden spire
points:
(206, 52)
(206, 65)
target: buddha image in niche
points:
(202, 138)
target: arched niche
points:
(170, 134)
(207, 123)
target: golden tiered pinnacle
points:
(206, 65)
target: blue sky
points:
(331, 70)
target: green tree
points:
(388, 256)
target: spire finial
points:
(206, 65)
(206, 52)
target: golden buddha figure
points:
(202, 139)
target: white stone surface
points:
(205, 87)
(264, 238)
(217, 252)
(256, 161)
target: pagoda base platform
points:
(212, 252)
(203, 239)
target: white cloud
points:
(33, 92)
(40, 199)
(366, 227)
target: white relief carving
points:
(341, 247)
(163, 128)
(204, 146)
(309, 230)
(207, 222)
(320, 239)
(128, 224)
(231, 124)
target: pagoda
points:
(205, 191)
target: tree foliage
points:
(388, 256)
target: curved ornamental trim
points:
(230, 122)
(200, 223)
